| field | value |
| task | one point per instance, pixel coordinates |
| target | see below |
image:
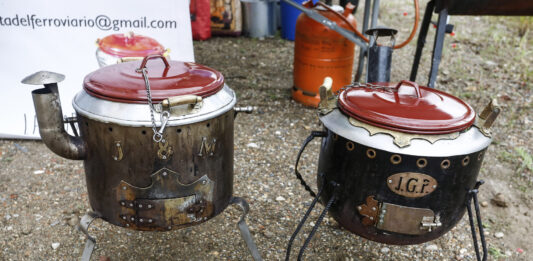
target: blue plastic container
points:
(289, 15)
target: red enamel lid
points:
(130, 45)
(407, 107)
(123, 83)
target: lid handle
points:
(153, 56)
(412, 84)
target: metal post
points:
(422, 39)
(362, 53)
(375, 13)
(437, 47)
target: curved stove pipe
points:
(50, 116)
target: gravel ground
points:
(42, 196)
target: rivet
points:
(164, 157)
(149, 220)
(359, 208)
(141, 220)
(370, 153)
(164, 173)
(396, 159)
(132, 219)
(434, 186)
(122, 203)
(149, 206)
(350, 146)
(140, 205)
(131, 204)
(124, 188)
(390, 180)
(124, 217)
(116, 158)
(445, 164)
(374, 208)
(466, 160)
(118, 144)
(128, 225)
(421, 162)
(169, 227)
(371, 218)
(204, 182)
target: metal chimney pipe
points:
(379, 56)
(50, 116)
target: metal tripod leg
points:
(243, 227)
(83, 226)
(422, 39)
(437, 47)
(472, 194)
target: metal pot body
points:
(393, 195)
(129, 185)
(135, 182)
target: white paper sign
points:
(60, 36)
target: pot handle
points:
(246, 109)
(412, 84)
(181, 100)
(153, 56)
(296, 172)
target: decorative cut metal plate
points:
(404, 220)
(411, 184)
(369, 211)
(166, 203)
(402, 139)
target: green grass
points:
(496, 253)
(525, 158)
(522, 161)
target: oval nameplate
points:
(411, 184)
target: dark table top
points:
(486, 7)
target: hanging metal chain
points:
(158, 134)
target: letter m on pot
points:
(207, 148)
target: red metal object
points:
(129, 45)
(408, 108)
(123, 83)
(200, 11)
(320, 52)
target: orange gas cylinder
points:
(320, 52)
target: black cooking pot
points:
(397, 161)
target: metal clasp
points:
(158, 136)
(164, 120)
(428, 223)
